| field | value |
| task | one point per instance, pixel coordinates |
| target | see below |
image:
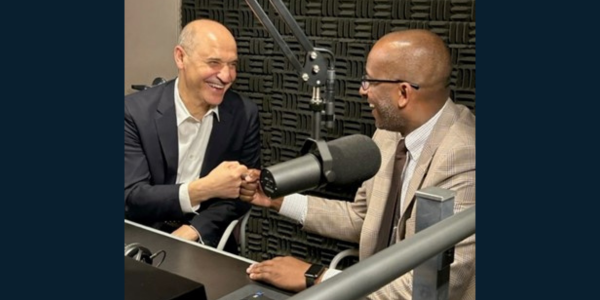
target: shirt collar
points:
(415, 141)
(181, 111)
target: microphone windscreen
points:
(355, 158)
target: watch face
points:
(314, 271)
(312, 274)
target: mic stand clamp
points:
(324, 155)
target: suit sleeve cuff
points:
(330, 273)
(184, 200)
(199, 236)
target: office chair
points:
(237, 228)
(340, 256)
(155, 82)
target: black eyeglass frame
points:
(364, 80)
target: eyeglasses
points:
(365, 82)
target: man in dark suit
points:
(189, 142)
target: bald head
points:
(417, 56)
(204, 31)
(206, 57)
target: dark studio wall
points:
(348, 28)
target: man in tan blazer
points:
(406, 84)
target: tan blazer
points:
(447, 161)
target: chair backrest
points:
(236, 229)
(155, 82)
(241, 234)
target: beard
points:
(389, 116)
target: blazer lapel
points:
(219, 139)
(378, 189)
(166, 127)
(438, 133)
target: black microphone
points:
(348, 160)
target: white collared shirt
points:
(415, 141)
(192, 137)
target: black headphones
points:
(139, 252)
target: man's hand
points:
(222, 182)
(249, 185)
(252, 192)
(283, 272)
(186, 232)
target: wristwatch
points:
(312, 274)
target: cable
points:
(158, 253)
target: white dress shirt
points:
(193, 136)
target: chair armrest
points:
(343, 254)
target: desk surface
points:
(220, 272)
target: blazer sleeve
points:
(216, 214)
(145, 203)
(337, 219)
(347, 218)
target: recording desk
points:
(222, 274)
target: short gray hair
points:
(187, 38)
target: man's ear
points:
(402, 95)
(178, 54)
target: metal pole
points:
(376, 271)
(432, 277)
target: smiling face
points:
(207, 62)
(382, 96)
(386, 113)
(410, 70)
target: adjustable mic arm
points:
(315, 71)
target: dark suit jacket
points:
(151, 158)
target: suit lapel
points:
(166, 126)
(387, 142)
(219, 138)
(447, 118)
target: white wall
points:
(151, 31)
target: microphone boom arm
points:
(315, 71)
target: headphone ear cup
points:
(145, 255)
(138, 252)
(132, 249)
